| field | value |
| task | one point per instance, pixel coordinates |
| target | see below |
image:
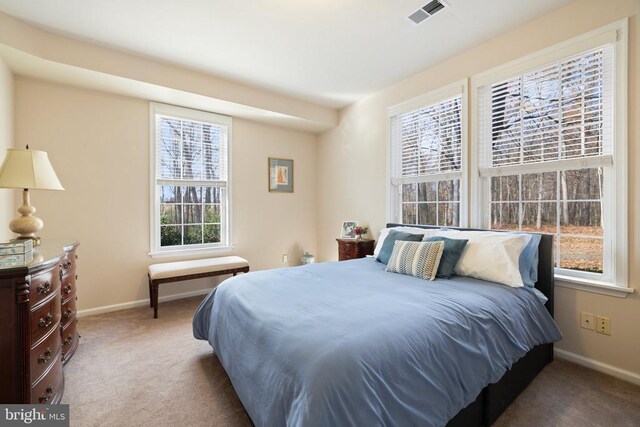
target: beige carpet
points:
(132, 370)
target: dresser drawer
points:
(44, 354)
(45, 318)
(69, 339)
(68, 311)
(49, 389)
(44, 284)
(68, 286)
(68, 263)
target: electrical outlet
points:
(285, 258)
(603, 325)
(588, 320)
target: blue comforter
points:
(337, 344)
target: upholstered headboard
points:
(545, 261)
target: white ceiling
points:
(330, 52)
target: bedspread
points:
(337, 344)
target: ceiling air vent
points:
(427, 11)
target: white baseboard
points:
(139, 303)
(623, 374)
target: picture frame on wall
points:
(280, 175)
(347, 230)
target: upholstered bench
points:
(187, 270)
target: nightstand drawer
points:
(44, 284)
(45, 318)
(354, 248)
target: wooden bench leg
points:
(150, 293)
(154, 297)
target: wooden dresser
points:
(354, 248)
(38, 324)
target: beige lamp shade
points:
(28, 169)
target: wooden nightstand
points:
(354, 248)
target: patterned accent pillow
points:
(420, 259)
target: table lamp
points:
(28, 169)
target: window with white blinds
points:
(427, 146)
(559, 114)
(551, 152)
(190, 179)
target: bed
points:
(351, 344)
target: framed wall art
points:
(280, 175)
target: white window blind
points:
(558, 115)
(189, 150)
(426, 144)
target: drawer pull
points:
(47, 395)
(67, 313)
(45, 357)
(76, 277)
(44, 288)
(66, 264)
(68, 340)
(45, 321)
(67, 288)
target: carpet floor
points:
(132, 370)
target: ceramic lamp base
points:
(26, 225)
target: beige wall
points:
(99, 146)
(352, 165)
(6, 141)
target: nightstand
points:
(354, 248)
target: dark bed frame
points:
(494, 398)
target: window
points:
(552, 152)
(428, 141)
(190, 179)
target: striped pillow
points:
(420, 259)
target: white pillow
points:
(413, 230)
(490, 256)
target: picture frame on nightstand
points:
(346, 232)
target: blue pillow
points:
(387, 245)
(452, 251)
(528, 261)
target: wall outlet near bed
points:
(588, 320)
(603, 325)
(285, 258)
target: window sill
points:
(593, 286)
(177, 253)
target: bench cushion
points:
(198, 266)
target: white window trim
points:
(156, 251)
(616, 33)
(454, 89)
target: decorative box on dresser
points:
(38, 324)
(354, 248)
